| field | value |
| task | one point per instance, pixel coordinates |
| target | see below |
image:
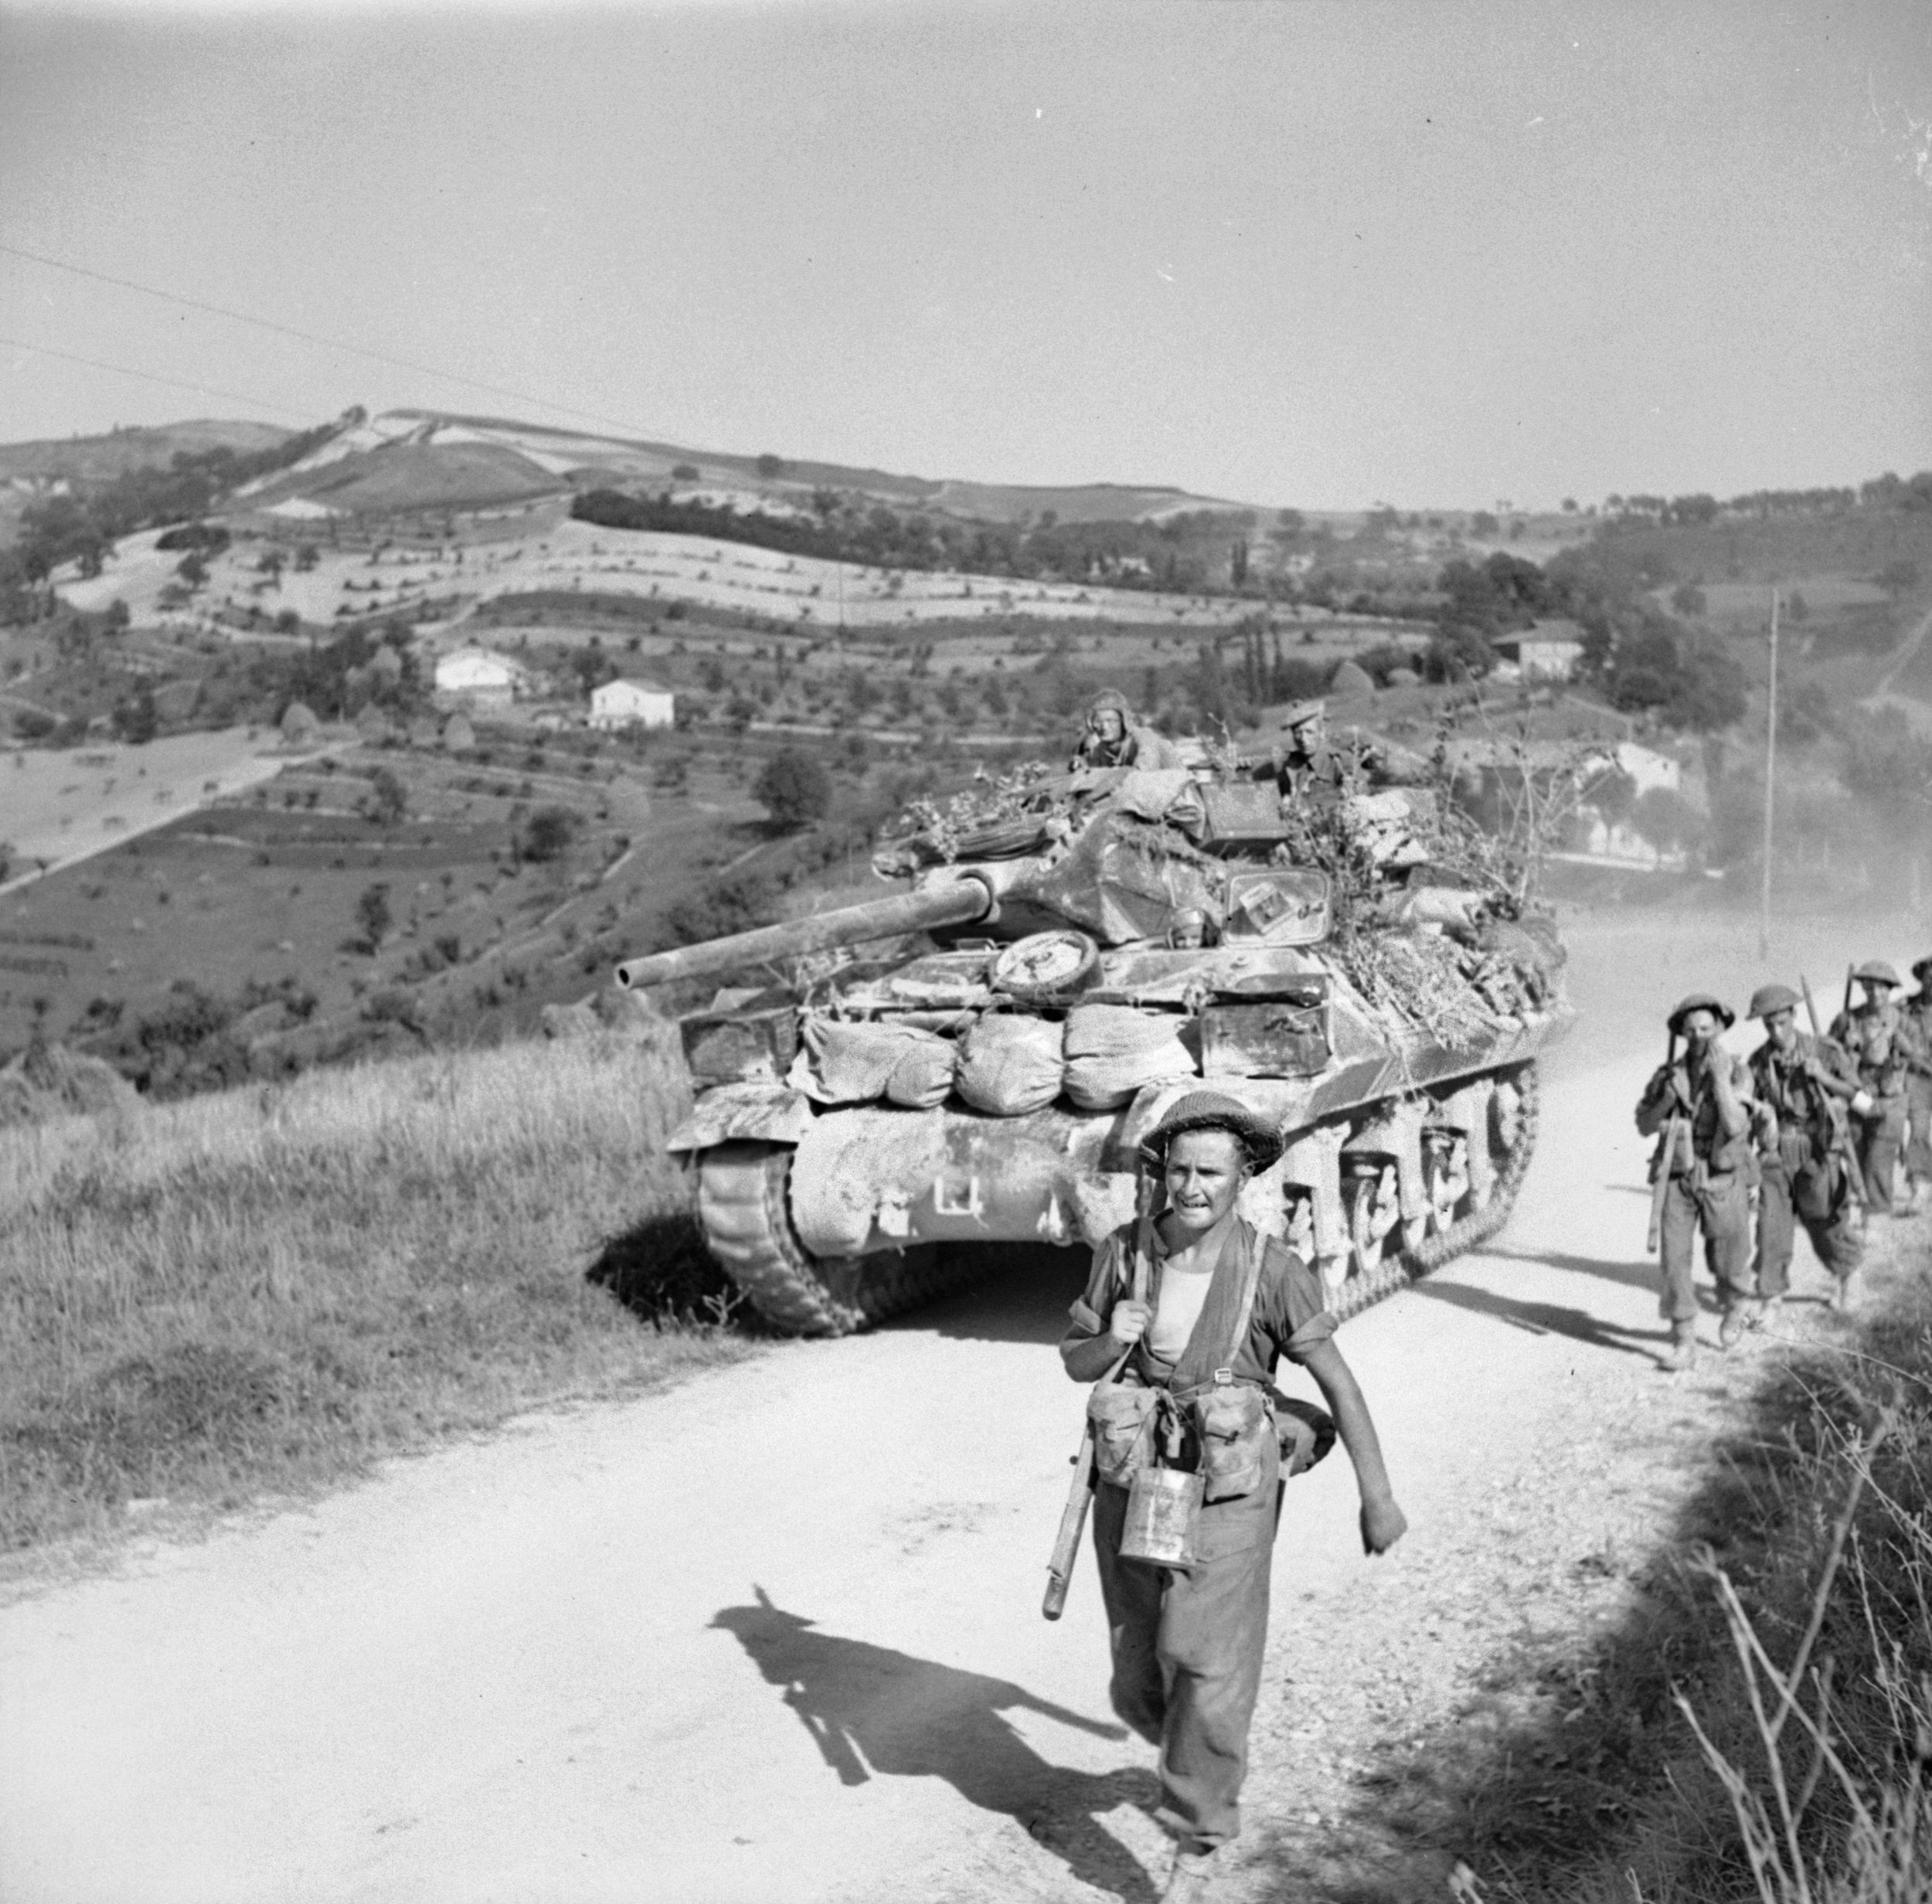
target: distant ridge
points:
(410, 459)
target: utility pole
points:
(1770, 783)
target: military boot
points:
(1740, 1315)
(1683, 1350)
(1193, 1875)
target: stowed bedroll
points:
(1362, 971)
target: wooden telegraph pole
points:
(1770, 783)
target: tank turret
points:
(1098, 943)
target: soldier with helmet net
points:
(1697, 1104)
(1185, 1313)
(1915, 1037)
(1798, 1082)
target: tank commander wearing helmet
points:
(1804, 1177)
(1697, 1105)
(1113, 738)
(1189, 1309)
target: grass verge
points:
(1756, 1728)
(258, 1292)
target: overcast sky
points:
(1317, 252)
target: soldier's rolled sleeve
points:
(1088, 1315)
(1296, 1319)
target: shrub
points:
(794, 789)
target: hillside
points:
(98, 459)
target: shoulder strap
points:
(1250, 1286)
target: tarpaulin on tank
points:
(1123, 880)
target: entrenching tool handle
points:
(1066, 1545)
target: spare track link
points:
(744, 1205)
(1362, 1292)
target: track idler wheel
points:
(744, 1207)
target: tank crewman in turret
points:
(1194, 1307)
(1113, 738)
(1915, 1016)
(1804, 1179)
(1703, 1095)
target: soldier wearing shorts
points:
(1697, 1106)
(1797, 1081)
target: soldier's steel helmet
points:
(1876, 972)
(1302, 712)
(1212, 1110)
(1109, 698)
(1768, 998)
(1701, 1001)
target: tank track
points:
(744, 1207)
(743, 1204)
(1398, 1271)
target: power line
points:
(149, 376)
(311, 337)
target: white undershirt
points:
(1182, 1294)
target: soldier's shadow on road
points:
(1546, 1318)
(874, 1712)
(1630, 1275)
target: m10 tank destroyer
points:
(1095, 945)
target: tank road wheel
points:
(1445, 1178)
(1373, 1212)
(744, 1206)
(1454, 1217)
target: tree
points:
(1666, 819)
(1688, 599)
(373, 915)
(794, 789)
(770, 467)
(117, 617)
(192, 569)
(548, 834)
(388, 801)
(136, 718)
(684, 472)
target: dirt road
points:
(776, 1635)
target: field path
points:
(776, 1635)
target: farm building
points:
(470, 675)
(1548, 651)
(632, 704)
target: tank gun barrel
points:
(955, 902)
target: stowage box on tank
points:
(1098, 947)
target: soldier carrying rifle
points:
(1703, 1172)
(1801, 1083)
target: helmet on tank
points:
(1701, 1001)
(1768, 998)
(1876, 972)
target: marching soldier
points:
(1704, 1166)
(1799, 1082)
(1880, 1006)
(1916, 1036)
(1881, 1067)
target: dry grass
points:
(1758, 1728)
(258, 1292)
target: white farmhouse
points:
(632, 704)
(471, 674)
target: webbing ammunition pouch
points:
(1123, 1423)
(1236, 1434)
